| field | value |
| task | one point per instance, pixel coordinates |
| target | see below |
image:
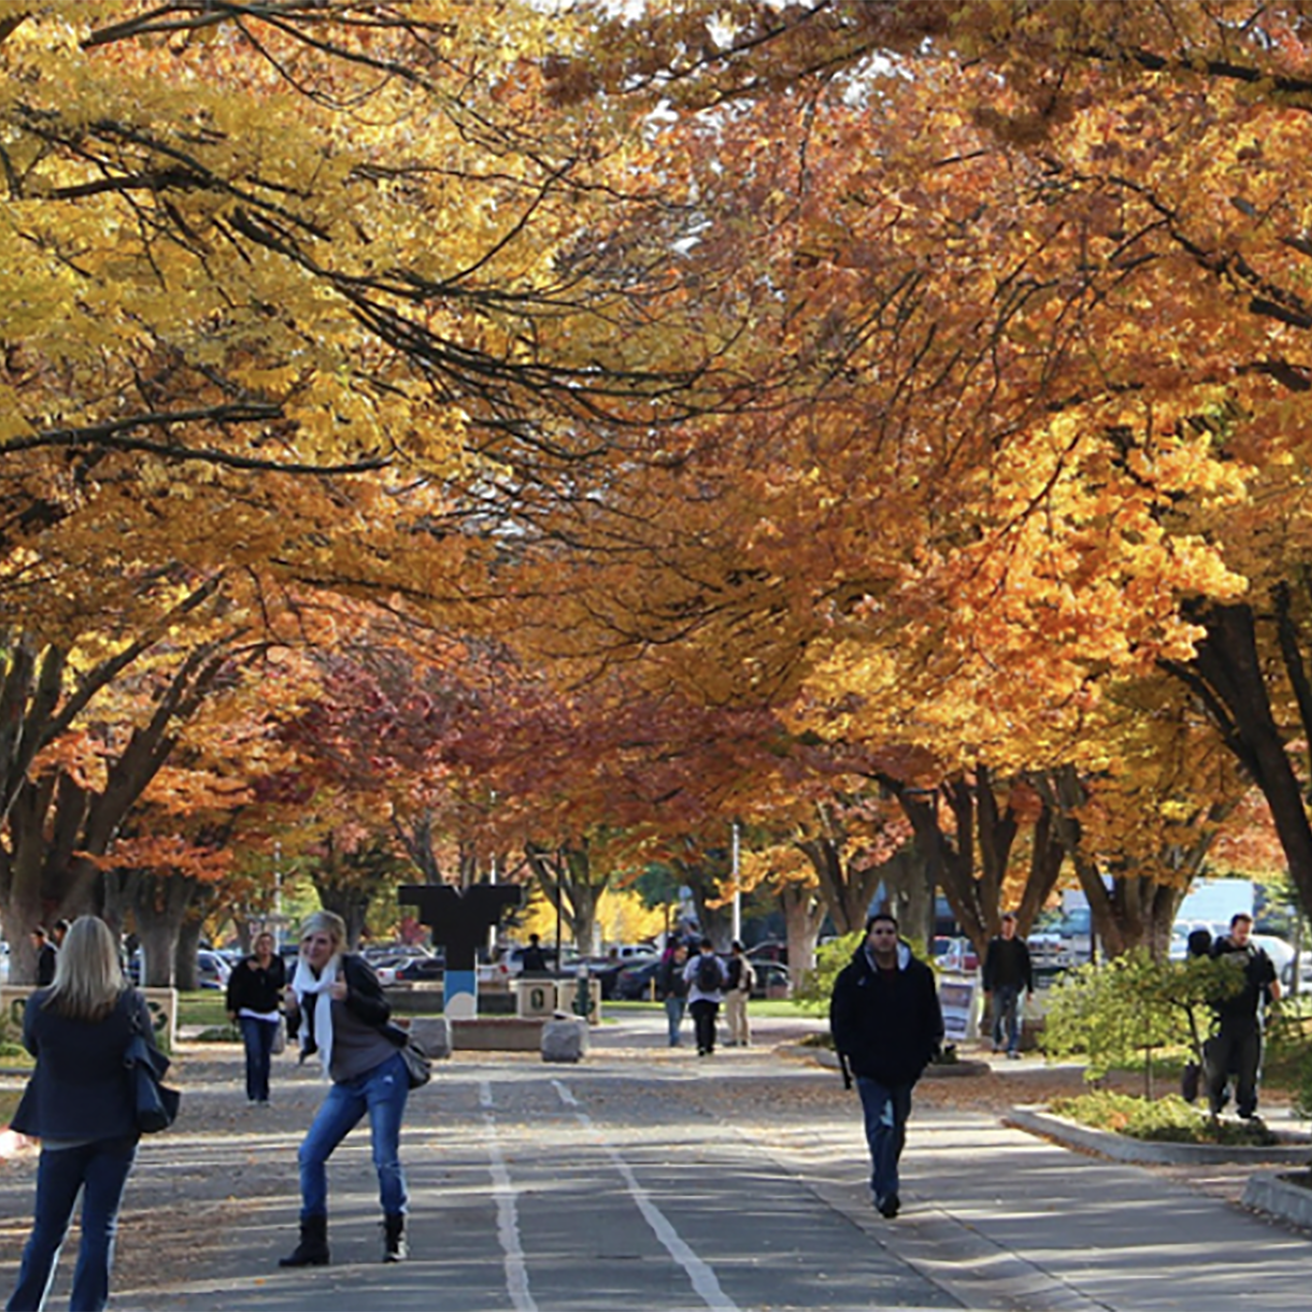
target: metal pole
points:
(737, 891)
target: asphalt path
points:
(646, 1178)
(555, 1189)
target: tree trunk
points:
(1047, 856)
(186, 967)
(845, 891)
(804, 913)
(569, 882)
(159, 949)
(348, 900)
(159, 907)
(1228, 676)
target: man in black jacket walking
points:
(1008, 972)
(887, 1026)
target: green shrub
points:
(1115, 1014)
(813, 990)
(1287, 1057)
(1164, 1120)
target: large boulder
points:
(564, 1039)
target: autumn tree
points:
(987, 485)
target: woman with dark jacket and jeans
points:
(337, 1005)
(79, 1104)
(254, 997)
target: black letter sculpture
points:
(460, 920)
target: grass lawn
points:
(205, 1007)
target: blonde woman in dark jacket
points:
(79, 1104)
(338, 1007)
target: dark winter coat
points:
(365, 1000)
(889, 1026)
(1245, 1007)
(1007, 961)
(257, 988)
(80, 1088)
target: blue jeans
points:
(99, 1170)
(257, 1035)
(381, 1093)
(886, 1109)
(1006, 1017)
(674, 1015)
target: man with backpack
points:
(1235, 1049)
(738, 982)
(705, 976)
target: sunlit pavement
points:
(645, 1177)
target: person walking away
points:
(673, 988)
(887, 1026)
(46, 957)
(337, 1007)
(1236, 1046)
(79, 1104)
(255, 990)
(739, 981)
(705, 977)
(1008, 973)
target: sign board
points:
(959, 999)
(535, 997)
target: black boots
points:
(394, 1245)
(313, 1248)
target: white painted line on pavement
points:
(699, 1273)
(503, 1190)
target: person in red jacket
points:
(887, 1027)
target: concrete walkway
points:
(647, 1178)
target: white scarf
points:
(320, 1029)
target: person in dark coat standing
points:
(1008, 972)
(673, 988)
(887, 1027)
(79, 1104)
(46, 957)
(254, 1001)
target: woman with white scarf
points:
(337, 1004)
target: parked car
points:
(772, 980)
(607, 970)
(1304, 974)
(417, 970)
(633, 983)
(771, 950)
(212, 969)
(955, 954)
(627, 951)
(514, 958)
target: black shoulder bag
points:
(155, 1105)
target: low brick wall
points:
(497, 1034)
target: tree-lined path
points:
(646, 1178)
